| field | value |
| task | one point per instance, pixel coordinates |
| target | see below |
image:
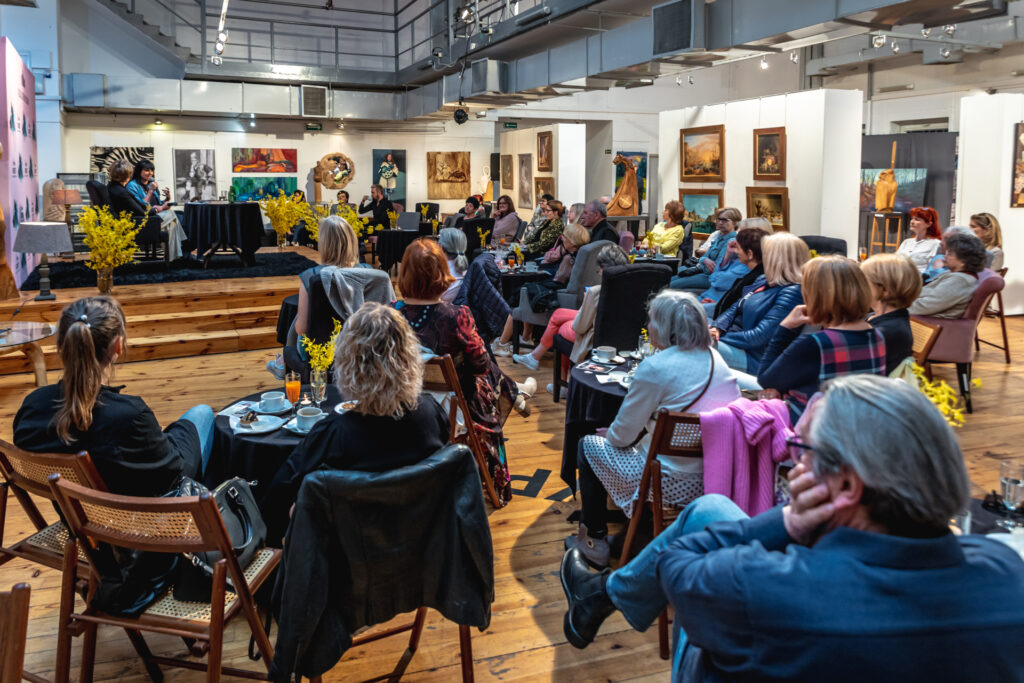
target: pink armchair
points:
(956, 343)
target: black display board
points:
(933, 151)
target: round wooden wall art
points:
(335, 170)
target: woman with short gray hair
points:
(687, 375)
(949, 293)
(453, 243)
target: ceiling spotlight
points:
(944, 53)
(158, 122)
(926, 32)
(460, 116)
(950, 29)
(218, 47)
(252, 115)
(794, 57)
(895, 48)
(878, 41)
(466, 13)
(216, 60)
(764, 63)
(222, 36)
(252, 124)
(341, 125)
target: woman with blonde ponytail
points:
(83, 413)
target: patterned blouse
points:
(543, 238)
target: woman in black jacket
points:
(895, 284)
(121, 198)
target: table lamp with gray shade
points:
(43, 238)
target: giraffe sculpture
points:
(626, 201)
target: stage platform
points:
(174, 319)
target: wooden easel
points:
(885, 221)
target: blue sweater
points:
(750, 323)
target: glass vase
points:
(105, 280)
(318, 383)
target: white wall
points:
(823, 155)
(569, 148)
(984, 180)
(477, 138)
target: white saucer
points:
(341, 411)
(264, 424)
(258, 407)
(292, 425)
(617, 375)
(617, 360)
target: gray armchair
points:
(585, 273)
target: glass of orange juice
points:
(292, 387)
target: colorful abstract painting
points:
(640, 161)
(264, 160)
(253, 189)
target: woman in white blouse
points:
(926, 240)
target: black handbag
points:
(245, 527)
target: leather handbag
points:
(246, 531)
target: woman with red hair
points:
(927, 237)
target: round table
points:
(289, 309)
(17, 335)
(391, 245)
(237, 226)
(589, 405)
(255, 456)
(513, 281)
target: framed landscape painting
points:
(702, 154)
(700, 207)
(543, 186)
(770, 154)
(771, 203)
(525, 200)
(507, 181)
(264, 160)
(447, 175)
(545, 157)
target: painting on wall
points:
(253, 189)
(771, 203)
(101, 158)
(264, 160)
(389, 171)
(525, 181)
(545, 185)
(909, 187)
(545, 155)
(770, 154)
(640, 161)
(447, 175)
(1017, 193)
(702, 154)
(507, 182)
(195, 175)
(700, 207)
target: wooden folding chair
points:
(675, 435)
(166, 525)
(13, 629)
(996, 312)
(925, 335)
(439, 376)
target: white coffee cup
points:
(531, 267)
(605, 353)
(307, 417)
(272, 400)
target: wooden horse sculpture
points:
(626, 201)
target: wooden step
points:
(186, 322)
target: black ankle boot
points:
(589, 604)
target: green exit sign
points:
(314, 125)
(511, 124)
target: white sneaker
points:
(521, 406)
(499, 349)
(551, 390)
(526, 359)
(528, 388)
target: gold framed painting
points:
(542, 186)
(700, 207)
(771, 203)
(770, 154)
(506, 172)
(447, 175)
(545, 156)
(702, 154)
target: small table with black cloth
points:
(513, 281)
(289, 309)
(589, 405)
(236, 226)
(391, 246)
(255, 457)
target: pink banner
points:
(19, 183)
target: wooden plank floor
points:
(524, 641)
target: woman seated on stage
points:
(144, 188)
(377, 363)
(121, 198)
(446, 329)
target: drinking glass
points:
(292, 387)
(862, 253)
(960, 523)
(318, 383)
(1011, 478)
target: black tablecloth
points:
(289, 308)
(672, 263)
(391, 246)
(257, 456)
(589, 405)
(511, 283)
(236, 225)
(426, 228)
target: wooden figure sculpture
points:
(627, 198)
(8, 290)
(334, 171)
(885, 186)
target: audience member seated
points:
(667, 235)
(539, 213)
(595, 219)
(144, 188)
(688, 375)
(559, 259)
(453, 243)
(343, 201)
(346, 282)
(925, 231)
(743, 331)
(862, 555)
(446, 329)
(82, 412)
(575, 326)
(506, 222)
(949, 293)
(986, 227)
(481, 292)
(470, 211)
(378, 206)
(737, 263)
(377, 363)
(694, 277)
(546, 234)
(837, 297)
(575, 211)
(895, 284)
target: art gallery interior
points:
(832, 121)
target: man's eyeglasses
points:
(793, 443)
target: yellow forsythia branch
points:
(322, 355)
(111, 240)
(943, 396)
